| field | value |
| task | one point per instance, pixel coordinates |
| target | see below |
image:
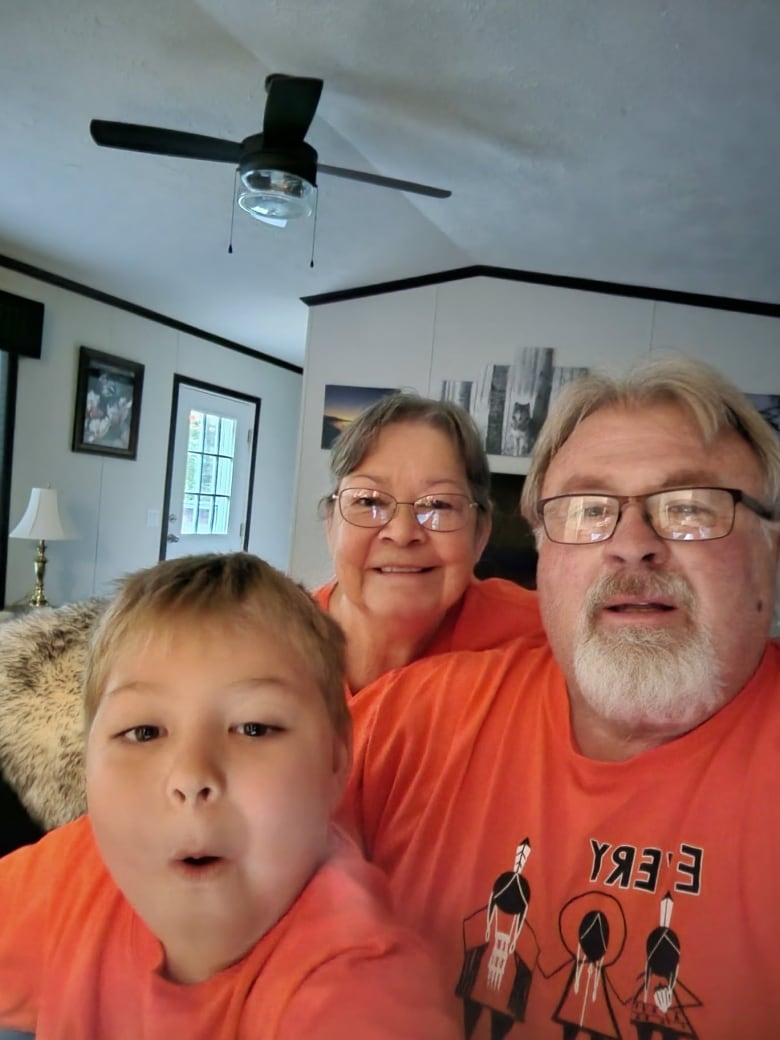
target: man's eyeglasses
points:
(679, 514)
(365, 507)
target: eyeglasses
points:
(366, 507)
(679, 514)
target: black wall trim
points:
(723, 303)
(142, 312)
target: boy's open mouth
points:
(198, 865)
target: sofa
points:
(41, 731)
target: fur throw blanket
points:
(41, 728)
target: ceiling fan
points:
(278, 168)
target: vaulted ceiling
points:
(632, 141)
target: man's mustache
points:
(666, 587)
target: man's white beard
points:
(635, 676)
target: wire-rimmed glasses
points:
(368, 507)
(676, 514)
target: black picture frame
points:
(107, 413)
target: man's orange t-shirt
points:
(567, 896)
(76, 962)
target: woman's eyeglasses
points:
(365, 507)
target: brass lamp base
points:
(38, 598)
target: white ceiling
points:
(633, 141)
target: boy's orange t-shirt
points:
(77, 962)
(610, 899)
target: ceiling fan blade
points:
(137, 138)
(289, 108)
(385, 182)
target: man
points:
(589, 832)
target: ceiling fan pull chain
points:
(233, 210)
(314, 224)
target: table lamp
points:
(41, 522)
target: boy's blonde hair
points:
(235, 588)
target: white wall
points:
(104, 500)
(418, 337)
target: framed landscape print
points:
(343, 404)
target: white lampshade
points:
(41, 521)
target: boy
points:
(206, 893)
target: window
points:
(208, 481)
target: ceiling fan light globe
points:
(265, 205)
(277, 194)
(274, 180)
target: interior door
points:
(211, 457)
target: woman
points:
(407, 521)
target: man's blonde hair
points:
(714, 403)
(237, 588)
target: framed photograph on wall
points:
(510, 401)
(345, 403)
(108, 404)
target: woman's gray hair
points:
(359, 438)
(714, 402)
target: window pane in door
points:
(195, 432)
(211, 434)
(205, 511)
(221, 515)
(208, 475)
(192, 473)
(224, 476)
(227, 437)
(188, 513)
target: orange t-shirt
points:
(76, 963)
(491, 613)
(618, 899)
